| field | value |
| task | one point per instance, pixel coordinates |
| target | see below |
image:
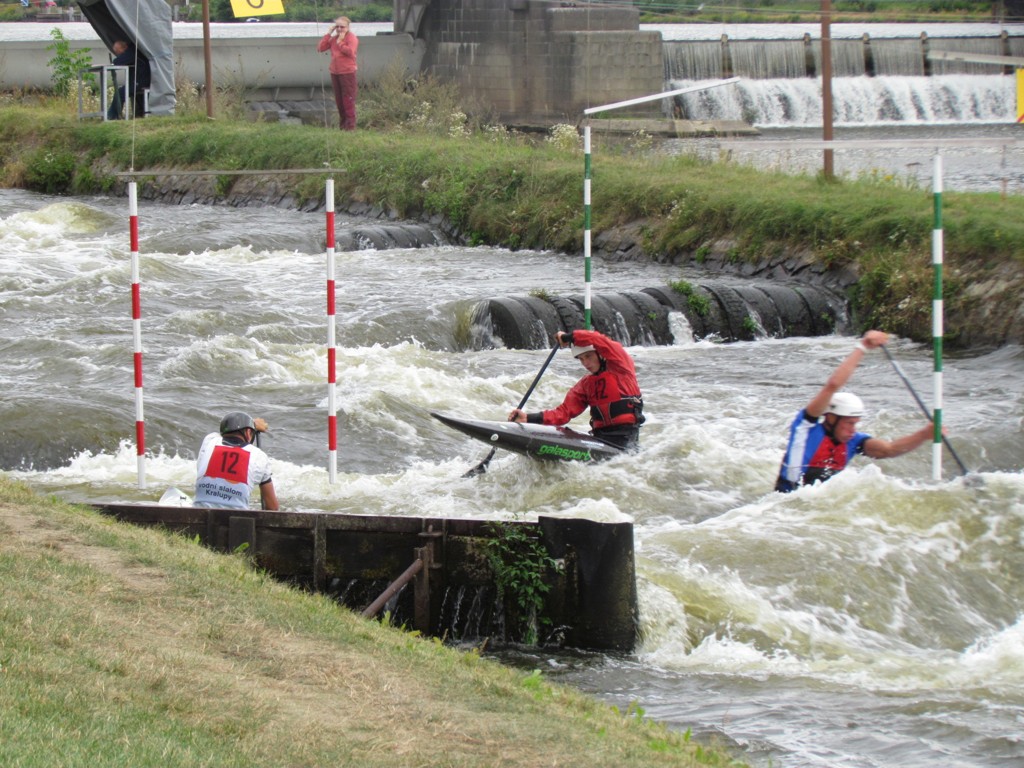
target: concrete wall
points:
(288, 69)
(537, 60)
(269, 68)
(525, 60)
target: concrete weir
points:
(437, 575)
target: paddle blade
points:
(480, 468)
(174, 498)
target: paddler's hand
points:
(517, 416)
(564, 339)
(874, 339)
(261, 425)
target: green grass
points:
(510, 190)
(124, 646)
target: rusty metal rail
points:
(407, 575)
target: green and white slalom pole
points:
(586, 169)
(937, 322)
(586, 225)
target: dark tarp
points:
(147, 23)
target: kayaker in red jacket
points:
(609, 389)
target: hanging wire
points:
(129, 99)
(323, 91)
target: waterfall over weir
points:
(796, 102)
(759, 59)
(655, 316)
(875, 79)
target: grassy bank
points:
(121, 646)
(501, 189)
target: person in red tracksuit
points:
(609, 389)
(341, 41)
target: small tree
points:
(65, 63)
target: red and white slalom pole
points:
(140, 424)
(588, 172)
(332, 411)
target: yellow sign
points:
(244, 8)
(1020, 95)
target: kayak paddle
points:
(482, 466)
(920, 402)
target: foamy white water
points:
(872, 621)
(951, 100)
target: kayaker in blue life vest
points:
(824, 437)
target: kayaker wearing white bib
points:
(230, 466)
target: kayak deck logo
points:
(571, 454)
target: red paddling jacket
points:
(612, 393)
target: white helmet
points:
(845, 404)
(577, 351)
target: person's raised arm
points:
(842, 374)
(327, 39)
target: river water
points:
(872, 621)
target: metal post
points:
(421, 590)
(937, 319)
(826, 85)
(207, 58)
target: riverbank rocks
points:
(626, 243)
(996, 309)
(988, 315)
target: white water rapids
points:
(875, 620)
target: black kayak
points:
(537, 441)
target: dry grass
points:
(124, 646)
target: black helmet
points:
(236, 421)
